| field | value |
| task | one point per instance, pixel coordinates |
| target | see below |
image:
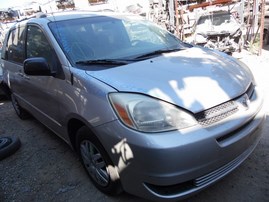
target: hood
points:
(195, 79)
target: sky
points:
(12, 3)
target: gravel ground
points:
(46, 169)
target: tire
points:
(8, 146)
(22, 113)
(97, 163)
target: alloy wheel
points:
(94, 163)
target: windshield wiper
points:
(103, 62)
(159, 52)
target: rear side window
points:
(15, 45)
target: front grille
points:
(221, 111)
(217, 113)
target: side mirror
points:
(37, 66)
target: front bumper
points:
(174, 165)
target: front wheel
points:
(97, 162)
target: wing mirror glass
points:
(37, 66)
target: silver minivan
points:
(1, 76)
(146, 112)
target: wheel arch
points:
(76, 122)
(73, 126)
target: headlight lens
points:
(147, 114)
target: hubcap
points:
(94, 163)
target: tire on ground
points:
(8, 146)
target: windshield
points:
(99, 38)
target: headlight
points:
(147, 114)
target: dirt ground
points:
(46, 169)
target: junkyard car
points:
(219, 30)
(146, 113)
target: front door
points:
(41, 91)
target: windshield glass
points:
(99, 38)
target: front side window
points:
(38, 46)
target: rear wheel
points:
(22, 113)
(97, 162)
